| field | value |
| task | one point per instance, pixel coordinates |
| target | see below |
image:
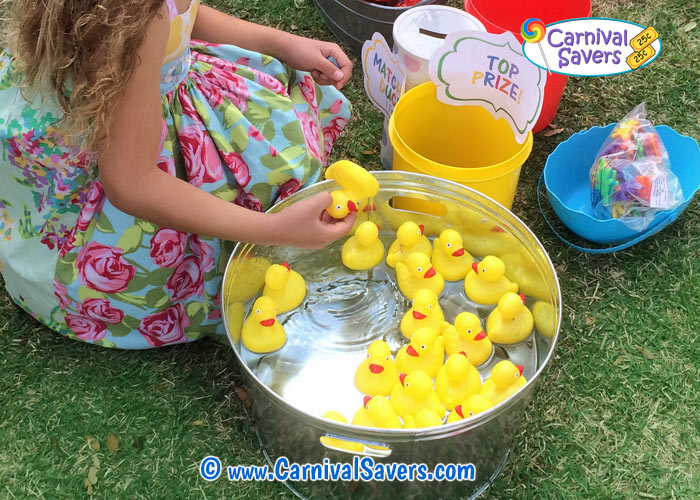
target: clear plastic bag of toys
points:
(631, 178)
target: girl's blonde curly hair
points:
(82, 51)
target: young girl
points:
(129, 154)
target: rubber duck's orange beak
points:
(464, 354)
(422, 228)
(285, 264)
(480, 336)
(268, 322)
(376, 368)
(351, 206)
(458, 253)
(522, 297)
(418, 315)
(520, 368)
(402, 377)
(458, 409)
(366, 400)
(475, 267)
(429, 273)
(411, 351)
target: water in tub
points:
(345, 311)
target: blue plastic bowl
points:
(569, 188)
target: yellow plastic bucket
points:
(463, 144)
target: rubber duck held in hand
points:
(474, 404)
(511, 321)
(377, 412)
(505, 380)
(486, 283)
(377, 374)
(284, 286)
(467, 336)
(425, 312)
(357, 185)
(450, 258)
(425, 352)
(339, 443)
(261, 332)
(418, 273)
(456, 380)
(364, 249)
(413, 393)
(409, 239)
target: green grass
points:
(614, 416)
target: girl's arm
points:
(134, 184)
(299, 52)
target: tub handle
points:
(357, 447)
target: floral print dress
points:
(241, 125)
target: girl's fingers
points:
(344, 63)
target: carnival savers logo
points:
(591, 46)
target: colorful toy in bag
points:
(631, 178)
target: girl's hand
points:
(312, 55)
(306, 224)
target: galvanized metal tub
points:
(290, 389)
(354, 21)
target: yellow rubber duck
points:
(377, 412)
(425, 352)
(450, 258)
(357, 185)
(511, 321)
(262, 332)
(410, 238)
(340, 443)
(485, 283)
(467, 337)
(456, 380)
(364, 249)
(522, 269)
(284, 286)
(341, 205)
(476, 403)
(424, 418)
(425, 312)
(418, 273)
(545, 320)
(414, 393)
(377, 374)
(505, 380)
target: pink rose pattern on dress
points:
(59, 289)
(311, 134)
(151, 286)
(203, 251)
(103, 268)
(187, 280)
(247, 200)
(168, 247)
(331, 133)
(86, 328)
(165, 327)
(94, 200)
(238, 168)
(200, 154)
(101, 309)
(289, 188)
